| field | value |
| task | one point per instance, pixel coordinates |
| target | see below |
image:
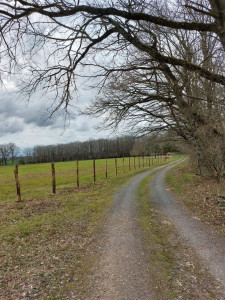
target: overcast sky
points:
(22, 123)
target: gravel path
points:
(205, 242)
(122, 272)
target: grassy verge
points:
(193, 190)
(48, 243)
(176, 272)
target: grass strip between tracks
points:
(176, 271)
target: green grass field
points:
(9, 162)
(36, 181)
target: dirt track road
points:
(122, 272)
(205, 242)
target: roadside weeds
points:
(199, 195)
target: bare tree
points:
(5, 153)
(13, 151)
(191, 106)
(28, 155)
(92, 149)
(75, 32)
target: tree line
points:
(8, 152)
(97, 149)
(93, 149)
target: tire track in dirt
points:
(207, 244)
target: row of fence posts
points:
(147, 163)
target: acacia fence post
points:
(106, 169)
(94, 171)
(78, 183)
(17, 184)
(53, 179)
(115, 166)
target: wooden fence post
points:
(143, 161)
(139, 164)
(94, 171)
(78, 183)
(106, 169)
(134, 164)
(129, 163)
(53, 179)
(17, 184)
(123, 166)
(149, 163)
(115, 166)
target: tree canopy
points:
(69, 33)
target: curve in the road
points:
(205, 242)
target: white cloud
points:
(29, 135)
(8, 85)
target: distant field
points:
(36, 181)
(9, 162)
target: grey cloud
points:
(33, 113)
(83, 127)
(27, 123)
(39, 108)
(10, 126)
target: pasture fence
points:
(146, 162)
(94, 170)
(53, 179)
(17, 184)
(78, 180)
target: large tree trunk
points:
(218, 7)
